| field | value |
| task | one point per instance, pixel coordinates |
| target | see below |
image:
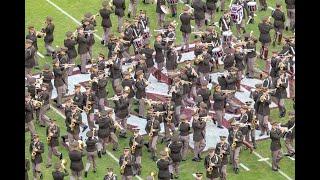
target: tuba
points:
(234, 143)
(123, 166)
(72, 124)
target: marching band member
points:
(76, 163)
(91, 152)
(263, 110)
(184, 131)
(251, 57)
(102, 92)
(225, 22)
(110, 175)
(199, 13)
(212, 164)
(47, 76)
(173, 8)
(275, 135)
(78, 96)
(126, 162)
(239, 59)
(198, 126)
(120, 6)
(140, 86)
(160, 13)
(122, 110)
(223, 149)
(265, 39)
(53, 134)
(219, 99)
(70, 44)
(263, 4)
(153, 128)
(59, 83)
(290, 134)
(106, 23)
(236, 139)
(211, 9)
(147, 52)
(171, 60)
(291, 11)
(33, 36)
(115, 71)
(83, 50)
(281, 84)
(136, 144)
(36, 149)
(43, 96)
(103, 131)
(177, 93)
(48, 38)
(185, 28)
(163, 165)
(29, 54)
(112, 130)
(159, 48)
(279, 19)
(58, 173)
(88, 27)
(175, 147)
(127, 85)
(89, 103)
(73, 122)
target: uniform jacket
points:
(140, 89)
(49, 33)
(76, 163)
(163, 166)
(70, 44)
(175, 151)
(55, 137)
(82, 44)
(105, 15)
(198, 130)
(120, 6)
(156, 127)
(281, 92)
(185, 19)
(264, 29)
(139, 140)
(275, 135)
(226, 148)
(40, 146)
(199, 9)
(101, 91)
(215, 173)
(121, 108)
(28, 111)
(279, 19)
(29, 53)
(128, 170)
(159, 57)
(91, 144)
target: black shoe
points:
(254, 146)
(79, 66)
(220, 127)
(292, 154)
(196, 159)
(42, 125)
(274, 169)
(99, 154)
(206, 22)
(217, 10)
(63, 139)
(41, 176)
(55, 100)
(48, 165)
(287, 28)
(84, 128)
(236, 170)
(60, 157)
(200, 157)
(103, 153)
(94, 171)
(102, 42)
(268, 133)
(129, 15)
(147, 145)
(86, 174)
(114, 149)
(154, 158)
(183, 159)
(273, 43)
(261, 134)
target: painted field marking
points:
(108, 152)
(71, 17)
(264, 159)
(271, 8)
(293, 159)
(39, 54)
(281, 172)
(244, 167)
(194, 175)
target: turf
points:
(36, 11)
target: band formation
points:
(188, 86)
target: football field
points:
(67, 15)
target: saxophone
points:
(233, 145)
(151, 130)
(210, 168)
(34, 152)
(134, 144)
(49, 135)
(123, 166)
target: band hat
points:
(109, 111)
(274, 123)
(49, 18)
(175, 138)
(30, 27)
(105, 3)
(203, 105)
(29, 41)
(63, 49)
(103, 112)
(89, 134)
(88, 15)
(69, 34)
(163, 153)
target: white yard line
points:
(39, 54)
(244, 167)
(293, 159)
(71, 17)
(264, 159)
(194, 175)
(108, 152)
(271, 8)
(281, 172)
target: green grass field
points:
(36, 11)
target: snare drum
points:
(146, 35)
(171, 2)
(227, 36)
(138, 43)
(217, 52)
(252, 6)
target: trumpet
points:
(152, 174)
(199, 59)
(72, 124)
(114, 98)
(233, 145)
(68, 65)
(41, 34)
(63, 163)
(134, 145)
(205, 118)
(81, 144)
(151, 102)
(151, 130)
(228, 91)
(185, 82)
(167, 150)
(123, 166)
(210, 168)
(87, 108)
(34, 153)
(48, 139)
(37, 104)
(90, 31)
